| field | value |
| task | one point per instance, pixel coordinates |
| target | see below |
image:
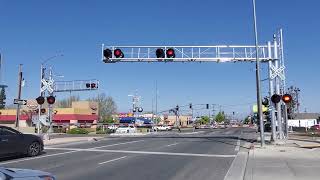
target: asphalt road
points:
(203, 154)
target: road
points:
(203, 154)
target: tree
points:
(107, 107)
(204, 120)
(220, 117)
(3, 98)
(67, 103)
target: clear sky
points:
(33, 30)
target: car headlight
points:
(47, 178)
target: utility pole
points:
(156, 100)
(258, 75)
(19, 96)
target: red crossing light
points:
(107, 53)
(51, 99)
(118, 53)
(286, 98)
(160, 53)
(40, 100)
(170, 53)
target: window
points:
(5, 131)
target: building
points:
(304, 120)
(80, 113)
(185, 120)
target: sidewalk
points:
(65, 140)
(286, 162)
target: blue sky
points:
(36, 29)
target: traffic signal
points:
(190, 106)
(88, 85)
(93, 85)
(276, 98)
(265, 101)
(51, 99)
(160, 53)
(177, 108)
(207, 106)
(140, 109)
(170, 53)
(107, 53)
(286, 98)
(40, 100)
(118, 53)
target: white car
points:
(163, 128)
(113, 127)
(126, 129)
(24, 174)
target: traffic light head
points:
(40, 100)
(177, 108)
(140, 109)
(51, 99)
(276, 98)
(207, 106)
(170, 53)
(190, 106)
(286, 98)
(107, 53)
(118, 53)
(93, 85)
(160, 53)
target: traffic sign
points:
(20, 101)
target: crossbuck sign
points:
(47, 85)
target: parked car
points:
(126, 129)
(113, 127)
(13, 142)
(163, 128)
(24, 174)
(315, 127)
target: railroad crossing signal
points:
(276, 98)
(51, 99)
(40, 100)
(20, 101)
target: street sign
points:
(20, 101)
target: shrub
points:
(78, 131)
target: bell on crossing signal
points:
(286, 98)
(51, 99)
(40, 100)
(170, 53)
(276, 98)
(160, 53)
(107, 53)
(118, 53)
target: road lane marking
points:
(39, 157)
(172, 144)
(112, 160)
(116, 144)
(237, 148)
(147, 152)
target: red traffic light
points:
(276, 98)
(51, 99)
(170, 53)
(40, 100)
(107, 53)
(118, 53)
(160, 53)
(286, 98)
(93, 85)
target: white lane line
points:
(148, 152)
(57, 154)
(112, 160)
(39, 157)
(237, 148)
(116, 144)
(193, 132)
(172, 144)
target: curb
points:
(90, 139)
(238, 167)
(306, 140)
